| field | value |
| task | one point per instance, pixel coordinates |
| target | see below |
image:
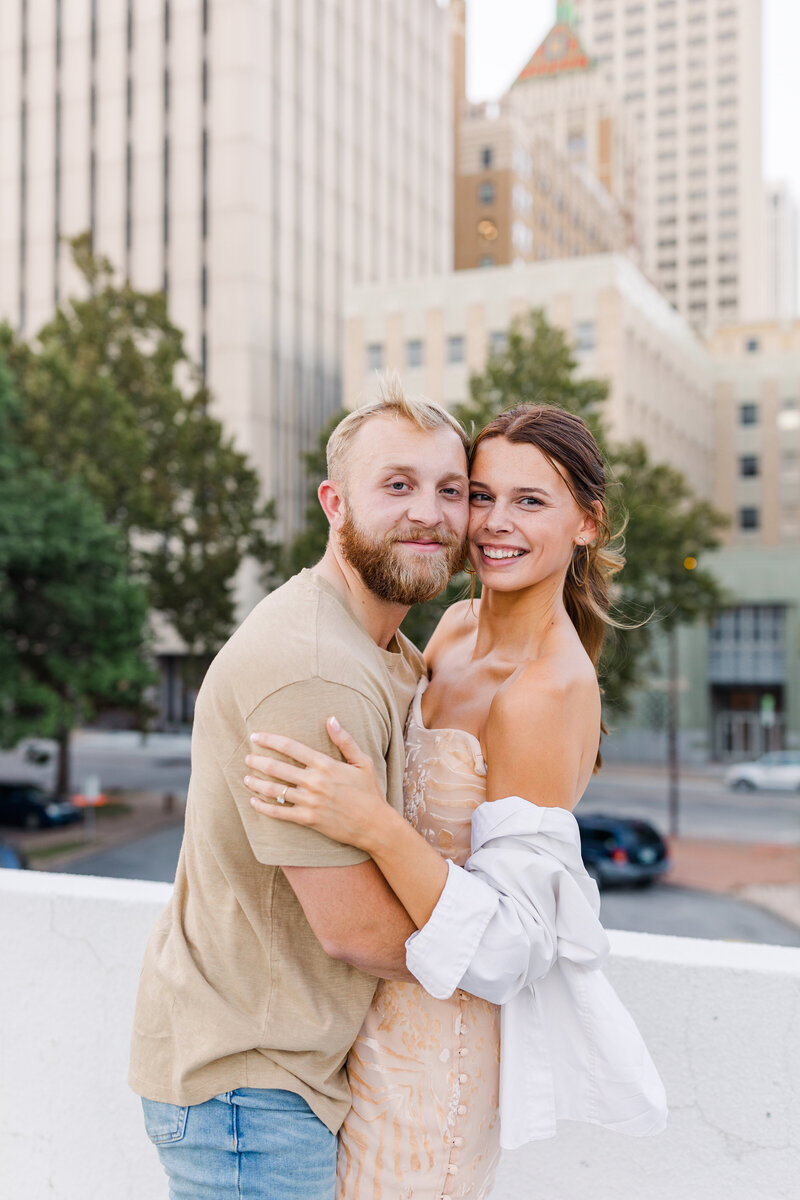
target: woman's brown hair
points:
(568, 445)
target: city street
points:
(160, 764)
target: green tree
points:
(72, 620)
(667, 526)
(111, 399)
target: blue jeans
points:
(251, 1144)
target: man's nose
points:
(426, 508)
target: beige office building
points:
(518, 199)
(781, 252)
(757, 432)
(253, 158)
(438, 331)
(568, 100)
(690, 72)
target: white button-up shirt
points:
(518, 925)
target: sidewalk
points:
(763, 873)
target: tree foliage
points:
(110, 399)
(72, 620)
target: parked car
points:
(13, 857)
(778, 771)
(619, 850)
(30, 806)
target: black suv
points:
(619, 850)
(30, 806)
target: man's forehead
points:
(385, 441)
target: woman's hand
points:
(343, 800)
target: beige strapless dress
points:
(425, 1073)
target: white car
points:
(778, 771)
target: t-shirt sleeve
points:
(300, 711)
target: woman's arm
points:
(344, 801)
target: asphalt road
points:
(707, 808)
(660, 909)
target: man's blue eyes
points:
(449, 491)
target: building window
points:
(375, 356)
(748, 413)
(498, 341)
(584, 336)
(455, 349)
(751, 345)
(414, 353)
(748, 518)
(486, 156)
(789, 415)
(486, 193)
(748, 466)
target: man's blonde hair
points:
(391, 401)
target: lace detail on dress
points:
(425, 1073)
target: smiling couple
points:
(381, 959)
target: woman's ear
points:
(590, 526)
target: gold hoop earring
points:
(584, 582)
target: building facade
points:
(757, 440)
(518, 199)
(690, 72)
(566, 99)
(438, 331)
(253, 158)
(781, 253)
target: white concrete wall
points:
(722, 1021)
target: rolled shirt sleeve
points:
(300, 711)
(522, 900)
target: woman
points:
(511, 716)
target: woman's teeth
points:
(501, 553)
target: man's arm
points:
(355, 916)
(350, 907)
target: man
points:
(259, 973)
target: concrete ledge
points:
(722, 1021)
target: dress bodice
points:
(425, 1073)
(444, 782)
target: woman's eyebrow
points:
(519, 491)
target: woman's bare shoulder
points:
(554, 693)
(455, 622)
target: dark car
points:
(621, 850)
(30, 806)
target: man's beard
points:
(395, 576)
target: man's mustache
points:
(423, 535)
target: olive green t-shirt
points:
(235, 990)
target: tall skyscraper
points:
(253, 158)
(690, 72)
(546, 171)
(781, 252)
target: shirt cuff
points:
(434, 956)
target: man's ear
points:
(333, 503)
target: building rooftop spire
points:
(561, 50)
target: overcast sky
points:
(502, 35)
